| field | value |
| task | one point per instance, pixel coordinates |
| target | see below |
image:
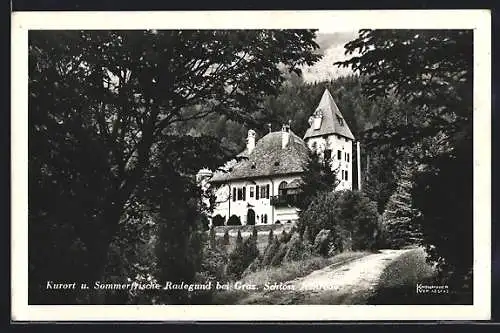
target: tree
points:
(100, 105)
(443, 194)
(318, 177)
(254, 235)
(400, 218)
(226, 237)
(270, 237)
(350, 215)
(432, 71)
(239, 239)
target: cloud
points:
(332, 50)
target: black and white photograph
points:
(314, 163)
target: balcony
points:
(285, 200)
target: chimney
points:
(250, 141)
(285, 136)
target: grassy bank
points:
(398, 283)
(285, 272)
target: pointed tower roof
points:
(332, 121)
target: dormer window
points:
(340, 120)
(277, 163)
(253, 166)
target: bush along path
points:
(351, 282)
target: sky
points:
(332, 49)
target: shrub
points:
(350, 215)
(323, 242)
(284, 237)
(270, 251)
(234, 220)
(242, 256)
(213, 264)
(297, 249)
(218, 220)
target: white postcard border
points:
(326, 21)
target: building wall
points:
(225, 206)
(336, 143)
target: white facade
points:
(227, 204)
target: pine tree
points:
(317, 177)
(239, 239)
(226, 238)
(270, 238)
(254, 235)
(400, 217)
(242, 256)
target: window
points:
(339, 155)
(234, 193)
(257, 192)
(251, 191)
(342, 174)
(244, 193)
(277, 163)
(265, 219)
(328, 154)
(348, 157)
(282, 188)
(240, 194)
(346, 175)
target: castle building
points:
(262, 187)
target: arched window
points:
(282, 188)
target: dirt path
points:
(350, 283)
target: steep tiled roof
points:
(268, 158)
(333, 122)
